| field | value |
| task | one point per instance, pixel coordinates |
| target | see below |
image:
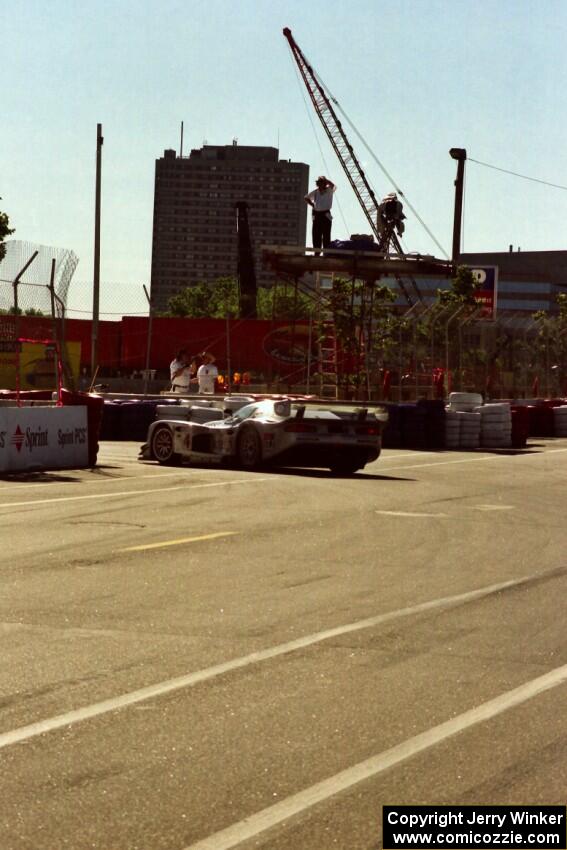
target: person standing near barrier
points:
(207, 374)
(321, 201)
(182, 371)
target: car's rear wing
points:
(344, 410)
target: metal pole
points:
(148, 341)
(460, 155)
(228, 367)
(67, 371)
(309, 351)
(55, 335)
(16, 282)
(17, 321)
(96, 272)
(415, 321)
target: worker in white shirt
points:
(182, 371)
(321, 201)
(207, 374)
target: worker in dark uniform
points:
(321, 201)
(391, 214)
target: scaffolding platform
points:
(366, 265)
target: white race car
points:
(281, 432)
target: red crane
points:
(382, 226)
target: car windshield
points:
(244, 412)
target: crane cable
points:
(380, 165)
(515, 174)
(327, 169)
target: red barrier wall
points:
(259, 346)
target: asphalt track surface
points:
(205, 658)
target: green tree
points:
(218, 299)
(463, 289)
(206, 300)
(284, 303)
(550, 347)
(5, 230)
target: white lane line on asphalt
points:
(272, 816)
(492, 507)
(178, 541)
(408, 514)
(23, 733)
(470, 460)
(32, 502)
(103, 479)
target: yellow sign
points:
(37, 362)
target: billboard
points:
(487, 292)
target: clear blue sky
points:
(415, 76)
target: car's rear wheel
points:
(249, 448)
(162, 446)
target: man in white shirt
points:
(181, 370)
(321, 201)
(207, 374)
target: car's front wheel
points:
(162, 446)
(249, 448)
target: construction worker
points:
(321, 201)
(391, 214)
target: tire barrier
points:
(520, 426)
(434, 422)
(464, 402)
(464, 423)
(495, 425)
(135, 418)
(110, 426)
(541, 421)
(392, 435)
(129, 420)
(560, 421)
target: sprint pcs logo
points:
(35, 438)
(30, 439)
(71, 437)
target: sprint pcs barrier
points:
(43, 438)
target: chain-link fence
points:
(34, 282)
(438, 349)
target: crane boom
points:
(346, 156)
(337, 136)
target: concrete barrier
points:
(34, 438)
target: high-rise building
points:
(194, 234)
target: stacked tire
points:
(434, 424)
(470, 430)
(495, 425)
(392, 436)
(452, 429)
(412, 426)
(464, 402)
(542, 423)
(560, 421)
(520, 426)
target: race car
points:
(281, 432)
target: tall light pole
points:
(460, 155)
(96, 272)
